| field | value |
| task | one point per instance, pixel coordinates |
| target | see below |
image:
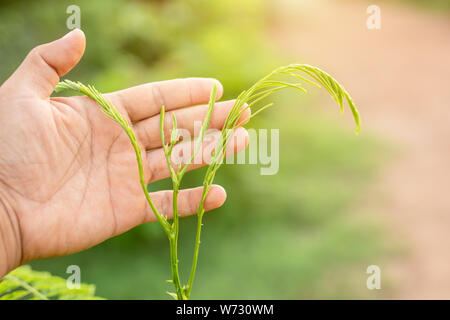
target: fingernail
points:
(221, 188)
(68, 34)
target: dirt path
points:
(400, 78)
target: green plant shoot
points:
(299, 74)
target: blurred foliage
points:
(131, 42)
(440, 5)
(24, 283)
(291, 235)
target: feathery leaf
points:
(24, 283)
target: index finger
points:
(144, 101)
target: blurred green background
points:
(291, 235)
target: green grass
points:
(291, 235)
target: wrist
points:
(10, 241)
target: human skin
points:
(68, 174)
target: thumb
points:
(40, 71)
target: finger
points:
(146, 100)
(182, 153)
(40, 71)
(188, 201)
(189, 121)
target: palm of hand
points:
(76, 183)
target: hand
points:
(68, 174)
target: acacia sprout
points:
(248, 99)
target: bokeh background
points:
(340, 202)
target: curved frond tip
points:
(302, 74)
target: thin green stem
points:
(200, 213)
(173, 240)
(174, 264)
(159, 217)
(173, 237)
(174, 244)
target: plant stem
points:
(200, 213)
(173, 236)
(174, 245)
